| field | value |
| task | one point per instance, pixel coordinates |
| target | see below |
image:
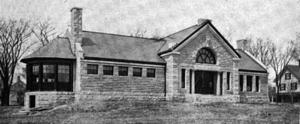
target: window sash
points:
(293, 86)
(123, 71)
(137, 72)
(92, 69)
(108, 70)
(150, 72)
(282, 86)
(288, 76)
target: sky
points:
(278, 20)
(275, 19)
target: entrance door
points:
(204, 82)
(31, 101)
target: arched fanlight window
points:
(205, 56)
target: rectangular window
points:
(282, 87)
(108, 70)
(64, 73)
(287, 76)
(257, 84)
(228, 80)
(92, 69)
(48, 74)
(249, 83)
(191, 71)
(35, 73)
(293, 86)
(123, 71)
(182, 78)
(150, 72)
(241, 82)
(137, 72)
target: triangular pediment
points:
(206, 26)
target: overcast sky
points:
(278, 20)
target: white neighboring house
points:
(289, 86)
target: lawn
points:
(155, 112)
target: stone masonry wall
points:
(49, 98)
(253, 96)
(186, 59)
(95, 84)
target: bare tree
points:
(281, 57)
(13, 44)
(260, 49)
(44, 32)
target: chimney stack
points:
(76, 26)
(241, 44)
(200, 21)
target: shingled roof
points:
(249, 63)
(58, 48)
(112, 46)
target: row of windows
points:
(293, 86)
(183, 79)
(249, 83)
(123, 71)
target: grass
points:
(156, 112)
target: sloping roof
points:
(294, 69)
(177, 37)
(58, 48)
(180, 37)
(112, 46)
(249, 63)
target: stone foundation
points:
(198, 98)
(254, 99)
(50, 98)
(118, 96)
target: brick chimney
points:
(76, 26)
(200, 21)
(240, 44)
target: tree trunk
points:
(5, 97)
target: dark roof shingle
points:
(58, 48)
(111, 46)
(248, 63)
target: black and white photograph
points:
(149, 62)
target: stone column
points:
(187, 80)
(218, 84)
(224, 82)
(253, 83)
(193, 82)
(245, 83)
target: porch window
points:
(54, 76)
(63, 73)
(48, 74)
(205, 55)
(35, 73)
